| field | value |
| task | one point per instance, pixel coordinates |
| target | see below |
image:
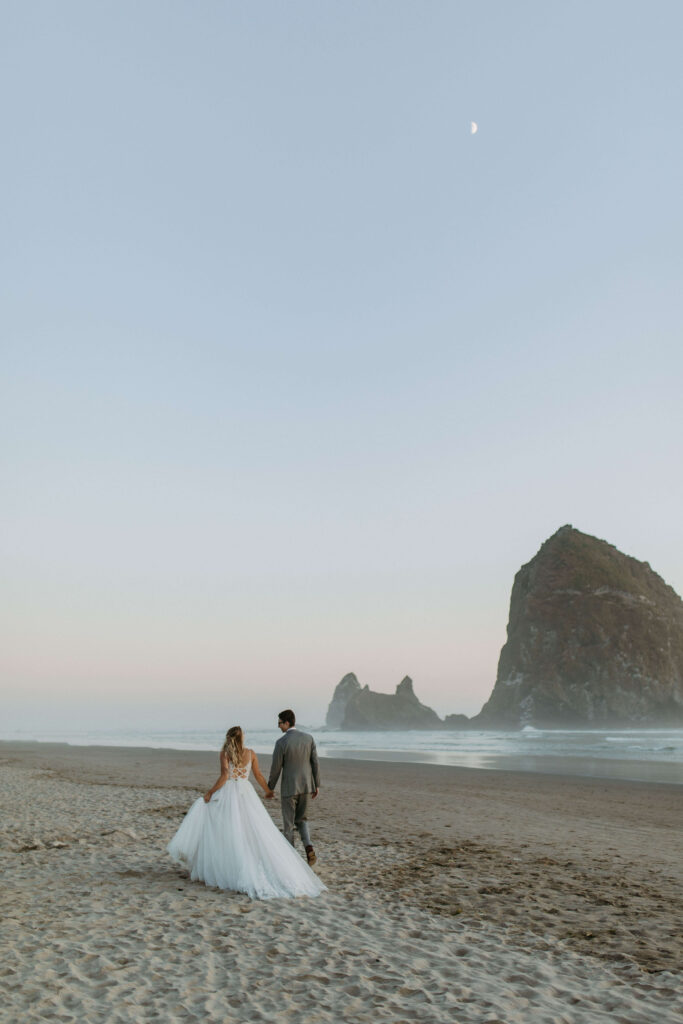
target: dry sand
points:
(454, 896)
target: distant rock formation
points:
(595, 638)
(456, 722)
(356, 707)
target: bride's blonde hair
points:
(234, 744)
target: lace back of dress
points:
(240, 771)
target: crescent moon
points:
(474, 127)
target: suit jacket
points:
(296, 757)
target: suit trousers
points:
(294, 810)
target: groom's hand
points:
(314, 795)
(270, 794)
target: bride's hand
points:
(207, 797)
(270, 793)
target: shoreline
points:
(453, 894)
(602, 769)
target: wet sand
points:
(454, 895)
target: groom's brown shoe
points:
(310, 856)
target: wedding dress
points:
(232, 843)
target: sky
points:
(296, 370)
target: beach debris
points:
(34, 843)
(30, 844)
(120, 834)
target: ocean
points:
(640, 755)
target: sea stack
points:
(358, 707)
(345, 689)
(595, 639)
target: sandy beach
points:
(455, 895)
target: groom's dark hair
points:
(287, 716)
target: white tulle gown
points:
(232, 843)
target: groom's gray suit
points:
(296, 757)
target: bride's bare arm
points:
(259, 777)
(221, 780)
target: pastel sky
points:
(297, 371)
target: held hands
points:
(314, 795)
(270, 793)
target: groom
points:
(296, 757)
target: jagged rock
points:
(595, 638)
(344, 691)
(366, 709)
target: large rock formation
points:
(356, 707)
(595, 638)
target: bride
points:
(227, 838)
